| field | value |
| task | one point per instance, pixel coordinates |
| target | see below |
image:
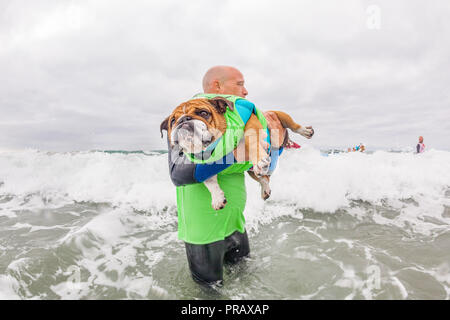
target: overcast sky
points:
(82, 75)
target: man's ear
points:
(164, 126)
(221, 104)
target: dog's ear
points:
(221, 104)
(164, 126)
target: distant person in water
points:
(420, 146)
(362, 148)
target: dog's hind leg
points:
(287, 122)
(254, 145)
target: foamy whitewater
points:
(99, 225)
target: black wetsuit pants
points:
(206, 260)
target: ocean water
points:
(103, 225)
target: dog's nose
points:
(184, 119)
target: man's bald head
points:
(219, 73)
(224, 80)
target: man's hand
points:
(277, 132)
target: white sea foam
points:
(8, 288)
(118, 179)
(327, 183)
(304, 179)
(415, 185)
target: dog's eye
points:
(172, 122)
(203, 113)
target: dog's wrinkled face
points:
(197, 123)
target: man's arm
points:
(183, 171)
(206, 171)
(274, 155)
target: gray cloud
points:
(79, 75)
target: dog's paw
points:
(307, 132)
(265, 193)
(262, 167)
(219, 202)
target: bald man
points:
(212, 238)
(224, 80)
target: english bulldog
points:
(196, 124)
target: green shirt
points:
(198, 222)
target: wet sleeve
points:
(206, 171)
(274, 155)
(181, 170)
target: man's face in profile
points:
(234, 84)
